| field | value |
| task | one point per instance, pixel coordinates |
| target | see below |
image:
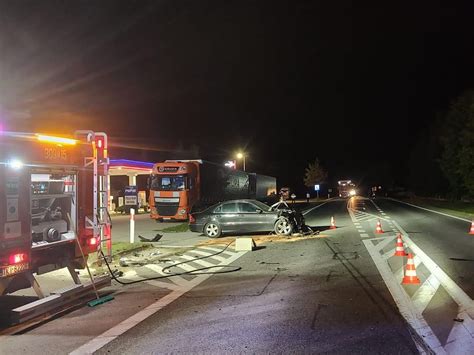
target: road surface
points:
(338, 292)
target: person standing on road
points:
(307, 197)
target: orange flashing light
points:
(57, 140)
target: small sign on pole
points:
(316, 187)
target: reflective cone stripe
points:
(378, 229)
(410, 272)
(472, 228)
(400, 250)
(333, 223)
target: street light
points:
(241, 155)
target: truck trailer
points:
(178, 187)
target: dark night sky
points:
(353, 83)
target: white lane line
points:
(199, 262)
(425, 293)
(203, 253)
(178, 280)
(433, 211)
(405, 305)
(457, 294)
(215, 250)
(313, 208)
(461, 337)
(364, 235)
(109, 335)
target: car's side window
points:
(218, 209)
(230, 207)
(247, 207)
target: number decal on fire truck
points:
(55, 154)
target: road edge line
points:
(429, 210)
(111, 334)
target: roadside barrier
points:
(410, 277)
(333, 223)
(379, 229)
(400, 250)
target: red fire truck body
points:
(52, 198)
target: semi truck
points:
(178, 187)
(53, 210)
(346, 188)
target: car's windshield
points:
(261, 205)
(168, 182)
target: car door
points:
(253, 219)
(228, 217)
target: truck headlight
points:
(182, 211)
(352, 192)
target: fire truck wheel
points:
(212, 230)
(283, 226)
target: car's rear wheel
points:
(283, 226)
(212, 230)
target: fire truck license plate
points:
(13, 269)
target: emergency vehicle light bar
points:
(58, 140)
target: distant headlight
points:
(352, 192)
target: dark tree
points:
(315, 174)
(457, 158)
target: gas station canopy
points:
(120, 167)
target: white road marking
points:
(364, 235)
(178, 280)
(403, 301)
(461, 337)
(458, 295)
(433, 211)
(199, 262)
(215, 250)
(109, 335)
(203, 253)
(425, 293)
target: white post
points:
(132, 225)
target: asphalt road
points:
(339, 292)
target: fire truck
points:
(53, 208)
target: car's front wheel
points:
(283, 226)
(212, 230)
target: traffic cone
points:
(378, 229)
(333, 223)
(410, 272)
(472, 228)
(400, 250)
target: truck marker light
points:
(17, 258)
(58, 140)
(92, 241)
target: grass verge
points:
(183, 227)
(456, 208)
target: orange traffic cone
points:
(400, 250)
(378, 229)
(410, 272)
(333, 223)
(472, 228)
